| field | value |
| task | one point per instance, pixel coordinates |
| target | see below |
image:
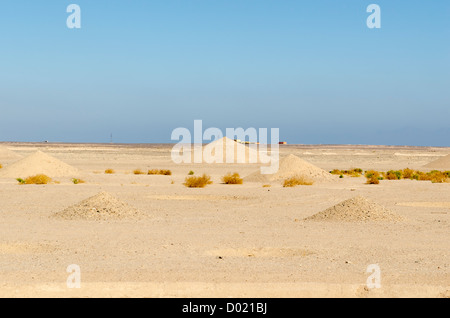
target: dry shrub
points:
(160, 171)
(266, 185)
(394, 175)
(408, 173)
(234, 178)
(78, 181)
(1, 166)
(197, 182)
(109, 171)
(373, 180)
(438, 177)
(295, 181)
(37, 179)
(138, 171)
(354, 172)
(373, 177)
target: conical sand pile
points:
(224, 150)
(38, 163)
(356, 209)
(102, 206)
(292, 166)
(230, 151)
(440, 164)
(7, 155)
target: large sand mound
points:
(102, 206)
(6, 154)
(230, 151)
(354, 210)
(441, 163)
(38, 163)
(292, 166)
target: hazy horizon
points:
(138, 70)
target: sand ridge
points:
(441, 163)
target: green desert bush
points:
(234, 178)
(191, 173)
(77, 181)
(197, 182)
(295, 181)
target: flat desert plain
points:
(222, 240)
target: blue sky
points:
(139, 69)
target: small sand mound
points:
(355, 210)
(38, 163)
(7, 155)
(102, 206)
(292, 166)
(440, 164)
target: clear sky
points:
(139, 69)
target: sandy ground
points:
(224, 240)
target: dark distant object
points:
(282, 143)
(45, 141)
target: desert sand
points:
(150, 236)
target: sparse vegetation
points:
(295, 181)
(37, 179)
(191, 173)
(160, 172)
(138, 171)
(408, 173)
(1, 166)
(355, 172)
(109, 171)
(232, 178)
(434, 176)
(266, 185)
(394, 175)
(373, 177)
(78, 181)
(197, 182)
(373, 180)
